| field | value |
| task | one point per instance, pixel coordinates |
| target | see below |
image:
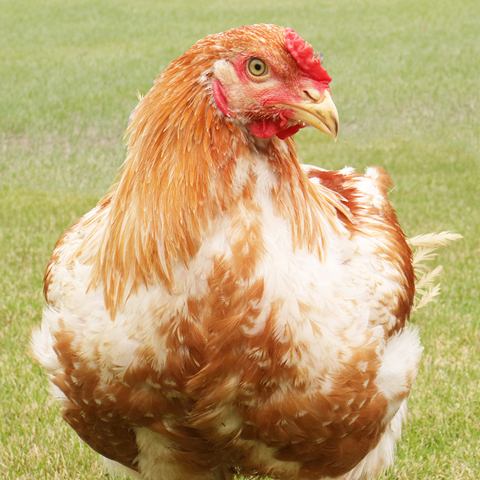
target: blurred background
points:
(406, 81)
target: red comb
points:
(305, 56)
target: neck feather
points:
(178, 177)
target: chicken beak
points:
(319, 112)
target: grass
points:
(406, 83)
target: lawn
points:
(406, 82)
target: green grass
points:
(406, 83)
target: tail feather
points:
(424, 250)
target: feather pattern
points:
(226, 309)
(425, 250)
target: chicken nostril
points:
(312, 95)
(308, 95)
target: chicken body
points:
(223, 308)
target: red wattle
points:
(269, 128)
(263, 128)
(288, 132)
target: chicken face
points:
(277, 89)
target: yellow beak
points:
(319, 112)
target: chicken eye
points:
(257, 67)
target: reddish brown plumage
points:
(159, 156)
(369, 219)
(221, 360)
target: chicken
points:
(224, 309)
